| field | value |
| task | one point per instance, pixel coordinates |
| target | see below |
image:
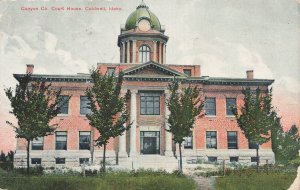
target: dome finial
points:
(142, 5)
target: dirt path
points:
(204, 183)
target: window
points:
(252, 145)
(60, 160)
(234, 159)
(211, 139)
(63, 104)
(210, 106)
(188, 72)
(188, 141)
(232, 140)
(85, 105)
(212, 159)
(111, 71)
(144, 54)
(36, 160)
(150, 104)
(254, 159)
(84, 161)
(37, 144)
(84, 140)
(230, 103)
(61, 140)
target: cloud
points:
(220, 58)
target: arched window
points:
(144, 54)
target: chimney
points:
(249, 74)
(29, 69)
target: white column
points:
(164, 59)
(134, 51)
(154, 51)
(133, 120)
(128, 52)
(123, 52)
(168, 135)
(122, 145)
(122, 138)
(159, 53)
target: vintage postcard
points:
(198, 92)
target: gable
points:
(152, 69)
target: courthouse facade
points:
(142, 45)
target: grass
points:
(110, 181)
(250, 180)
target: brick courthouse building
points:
(142, 45)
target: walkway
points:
(296, 183)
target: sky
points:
(225, 37)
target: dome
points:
(142, 12)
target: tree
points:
(276, 137)
(256, 117)
(184, 108)
(108, 110)
(34, 105)
(288, 146)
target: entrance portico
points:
(147, 134)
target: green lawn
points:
(253, 181)
(111, 181)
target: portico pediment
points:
(152, 69)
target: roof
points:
(161, 67)
(142, 12)
(170, 76)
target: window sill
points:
(62, 115)
(150, 115)
(82, 115)
(210, 116)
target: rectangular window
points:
(37, 144)
(150, 104)
(230, 103)
(111, 71)
(84, 140)
(188, 72)
(63, 104)
(211, 139)
(234, 159)
(210, 106)
(61, 140)
(60, 160)
(252, 145)
(85, 105)
(232, 140)
(212, 159)
(84, 161)
(36, 161)
(254, 159)
(188, 141)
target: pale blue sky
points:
(225, 37)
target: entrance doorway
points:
(150, 142)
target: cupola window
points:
(144, 54)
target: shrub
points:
(295, 162)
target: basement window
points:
(60, 160)
(212, 159)
(36, 161)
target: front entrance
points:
(150, 142)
